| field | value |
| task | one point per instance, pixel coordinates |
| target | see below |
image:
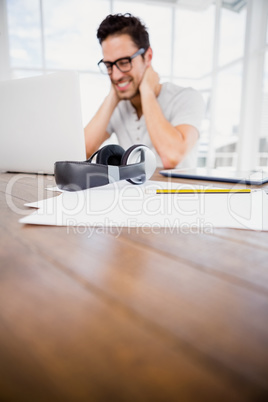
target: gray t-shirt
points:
(179, 106)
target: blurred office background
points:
(219, 47)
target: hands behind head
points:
(150, 81)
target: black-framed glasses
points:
(123, 64)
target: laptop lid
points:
(40, 122)
(221, 175)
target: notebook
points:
(257, 177)
(40, 122)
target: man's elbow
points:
(171, 160)
(174, 157)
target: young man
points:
(138, 108)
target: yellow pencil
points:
(203, 191)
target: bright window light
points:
(228, 101)
(70, 33)
(232, 35)
(24, 33)
(194, 35)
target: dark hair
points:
(119, 24)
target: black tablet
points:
(256, 177)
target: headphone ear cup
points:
(133, 155)
(110, 155)
(127, 153)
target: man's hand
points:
(150, 82)
(112, 96)
(171, 142)
(95, 131)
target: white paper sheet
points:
(125, 205)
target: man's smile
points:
(123, 85)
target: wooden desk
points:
(93, 315)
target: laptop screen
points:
(40, 122)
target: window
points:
(263, 145)
(24, 34)
(70, 33)
(227, 115)
(232, 35)
(194, 33)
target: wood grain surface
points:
(95, 314)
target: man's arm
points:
(95, 131)
(171, 143)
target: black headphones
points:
(135, 165)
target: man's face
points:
(126, 84)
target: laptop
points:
(257, 177)
(40, 122)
